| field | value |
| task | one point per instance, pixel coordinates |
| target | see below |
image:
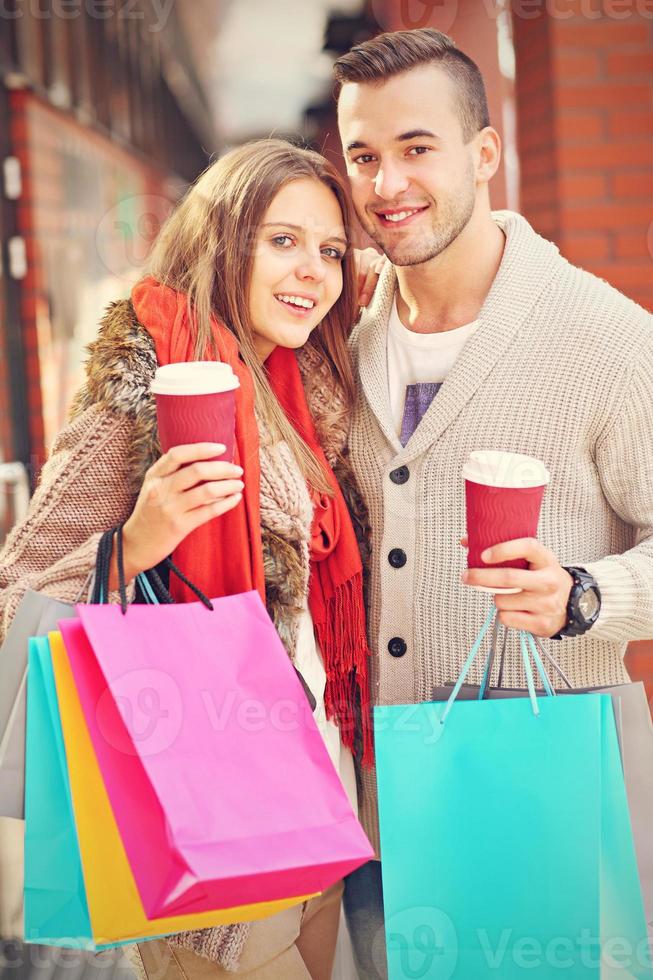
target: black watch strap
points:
(577, 624)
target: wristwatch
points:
(584, 604)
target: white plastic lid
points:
(194, 378)
(494, 468)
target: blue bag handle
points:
(527, 647)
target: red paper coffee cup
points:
(196, 402)
(503, 493)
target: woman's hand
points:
(184, 489)
(368, 266)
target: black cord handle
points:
(198, 592)
(120, 561)
(103, 569)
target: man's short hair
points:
(390, 54)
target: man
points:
(481, 336)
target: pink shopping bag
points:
(220, 782)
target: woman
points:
(251, 267)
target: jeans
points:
(364, 910)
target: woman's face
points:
(297, 272)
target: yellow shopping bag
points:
(115, 908)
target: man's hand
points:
(541, 606)
(368, 266)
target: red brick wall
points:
(585, 138)
(6, 446)
(88, 211)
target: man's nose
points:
(390, 181)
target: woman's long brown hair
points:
(206, 250)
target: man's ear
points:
(488, 154)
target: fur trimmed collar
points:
(120, 370)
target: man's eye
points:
(419, 150)
(364, 158)
(279, 240)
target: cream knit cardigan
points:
(561, 368)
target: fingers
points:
(180, 456)
(369, 265)
(523, 621)
(529, 549)
(195, 473)
(210, 511)
(542, 604)
(209, 493)
(369, 285)
(503, 578)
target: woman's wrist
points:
(131, 567)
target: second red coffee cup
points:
(196, 402)
(503, 493)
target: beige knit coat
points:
(561, 368)
(91, 482)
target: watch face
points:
(588, 605)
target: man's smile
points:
(399, 217)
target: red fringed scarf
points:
(335, 595)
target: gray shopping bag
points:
(36, 615)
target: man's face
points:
(412, 176)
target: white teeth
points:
(400, 216)
(306, 304)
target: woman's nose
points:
(311, 267)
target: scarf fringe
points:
(346, 657)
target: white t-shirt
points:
(418, 364)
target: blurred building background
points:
(108, 108)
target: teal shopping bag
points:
(506, 843)
(56, 911)
(55, 906)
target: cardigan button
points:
(400, 475)
(397, 646)
(397, 558)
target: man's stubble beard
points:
(452, 217)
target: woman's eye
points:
(419, 150)
(281, 240)
(332, 253)
(364, 158)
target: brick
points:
(534, 80)
(607, 32)
(580, 126)
(630, 63)
(541, 193)
(539, 139)
(544, 220)
(577, 66)
(633, 185)
(535, 167)
(604, 95)
(625, 123)
(609, 157)
(613, 215)
(646, 300)
(625, 276)
(631, 245)
(581, 248)
(583, 185)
